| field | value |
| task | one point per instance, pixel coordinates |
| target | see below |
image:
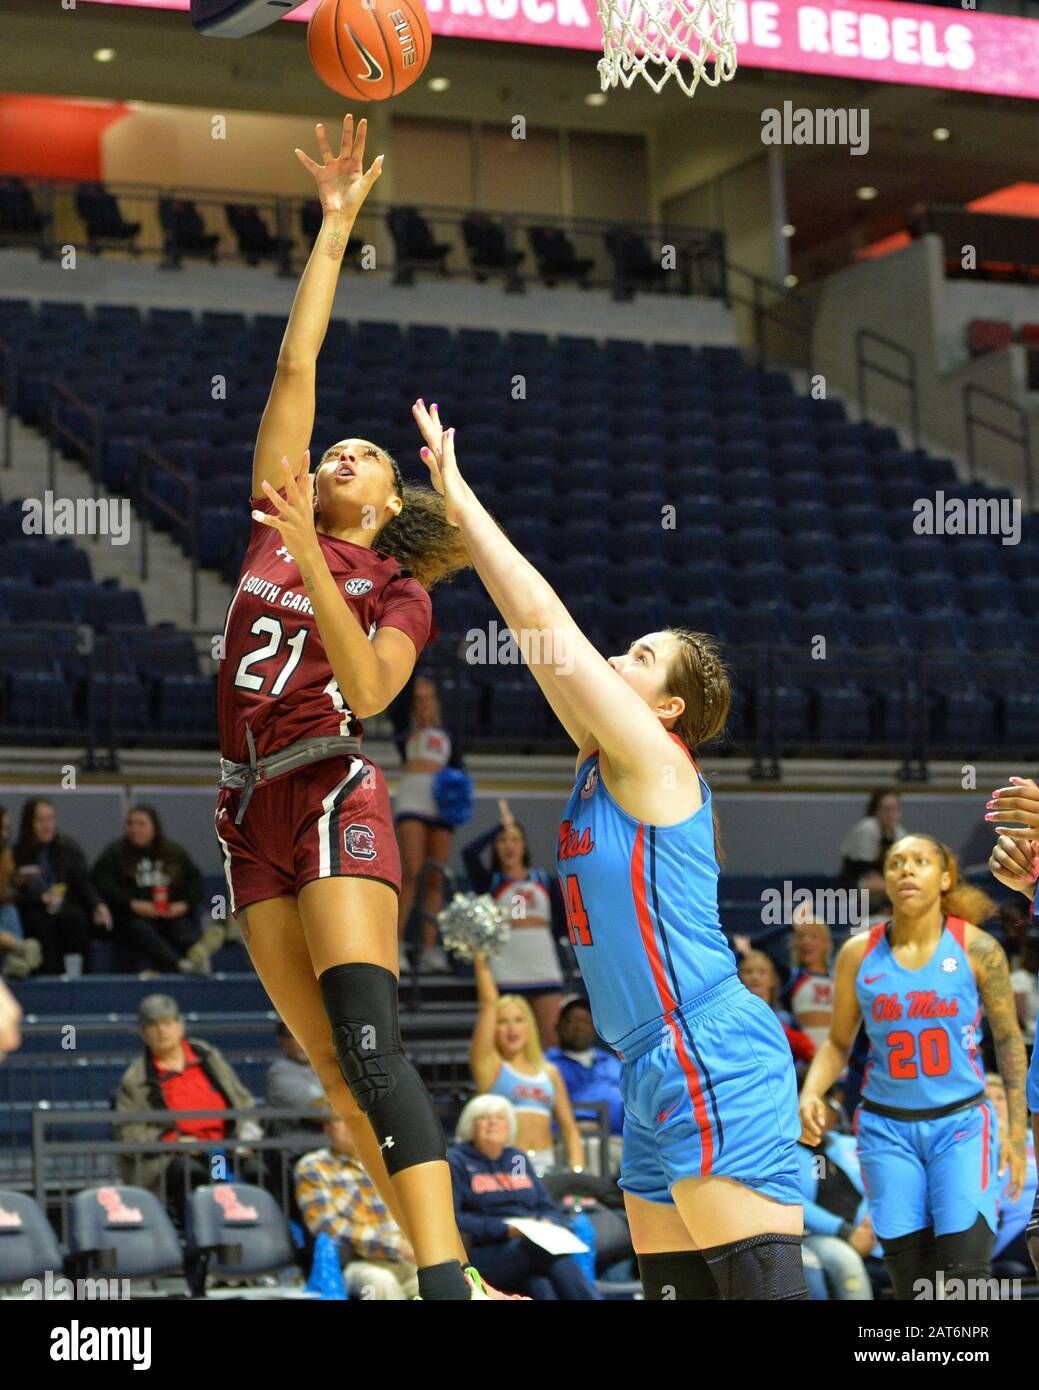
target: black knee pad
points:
(759, 1268)
(911, 1260)
(361, 1004)
(965, 1257)
(681, 1275)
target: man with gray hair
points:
(176, 1073)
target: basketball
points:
(369, 50)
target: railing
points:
(155, 464)
(973, 422)
(907, 379)
(780, 322)
(146, 230)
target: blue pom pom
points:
(453, 794)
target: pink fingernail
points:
(421, 401)
(991, 815)
(433, 406)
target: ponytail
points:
(422, 540)
(699, 676)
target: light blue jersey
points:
(924, 1026)
(708, 1081)
(641, 905)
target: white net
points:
(689, 40)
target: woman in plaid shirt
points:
(336, 1196)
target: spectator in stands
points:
(336, 1195)
(808, 994)
(494, 1181)
(292, 1084)
(864, 848)
(154, 889)
(759, 974)
(10, 1022)
(177, 1073)
(838, 1231)
(422, 832)
(55, 897)
(1011, 1244)
(18, 956)
(528, 965)
(591, 1072)
(506, 1060)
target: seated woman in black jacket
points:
(53, 893)
(494, 1182)
(154, 890)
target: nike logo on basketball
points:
(665, 1113)
(869, 979)
(387, 1143)
(374, 73)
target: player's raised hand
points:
(1018, 802)
(342, 184)
(293, 517)
(439, 458)
(1015, 863)
(812, 1110)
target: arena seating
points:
(698, 462)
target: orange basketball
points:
(369, 50)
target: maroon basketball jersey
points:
(275, 676)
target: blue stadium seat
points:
(800, 487)
(820, 619)
(749, 514)
(761, 624)
(187, 703)
(750, 546)
(757, 583)
(752, 483)
(793, 521)
(878, 626)
(844, 715)
(819, 583)
(927, 590)
(867, 589)
(104, 607)
(38, 700)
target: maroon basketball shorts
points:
(329, 820)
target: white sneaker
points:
(433, 961)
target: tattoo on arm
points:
(993, 976)
(335, 245)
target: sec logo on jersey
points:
(949, 964)
(590, 783)
(357, 587)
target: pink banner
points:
(920, 45)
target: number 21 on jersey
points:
(576, 914)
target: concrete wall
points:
(906, 297)
(780, 833)
(651, 318)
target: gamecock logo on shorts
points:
(357, 587)
(359, 842)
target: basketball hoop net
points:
(664, 35)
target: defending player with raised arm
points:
(709, 1169)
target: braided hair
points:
(698, 674)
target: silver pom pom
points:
(473, 922)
